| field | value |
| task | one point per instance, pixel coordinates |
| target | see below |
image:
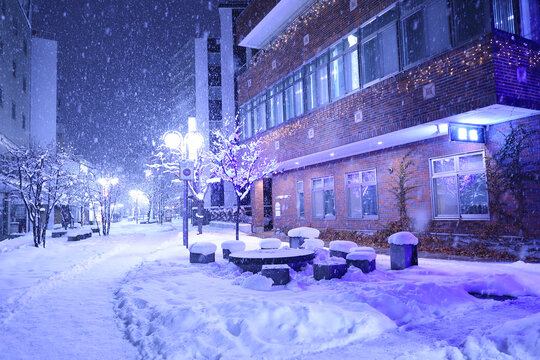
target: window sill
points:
(465, 218)
(368, 217)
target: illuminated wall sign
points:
(467, 133)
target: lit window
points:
(362, 194)
(459, 187)
(322, 198)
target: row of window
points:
(405, 34)
(458, 185)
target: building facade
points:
(341, 90)
(28, 100)
(203, 85)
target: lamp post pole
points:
(185, 219)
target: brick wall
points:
(419, 206)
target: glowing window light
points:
(462, 134)
(473, 135)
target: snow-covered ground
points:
(134, 295)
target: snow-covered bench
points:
(312, 244)
(403, 250)
(202, 252)
(335, 267)
(298, 235)
(231, 246)
(279, 273)
(362, 258)
(78, 234)
(58, 233)
(340, 248)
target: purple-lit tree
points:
(240, 163)
(40, 178)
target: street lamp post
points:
(188, 147)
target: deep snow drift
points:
(134, 295)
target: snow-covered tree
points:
(40, 178)
(240, 163)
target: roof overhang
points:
(489, 115)
(274, 22)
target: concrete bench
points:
(278, 273)
(403, 250)
(340, 248)
(231, 246)
(331, 269)
(202, 252)
(58, 233)
(363, 260)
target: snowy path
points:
(134, 295)
(72, 304)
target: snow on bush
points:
(342, 245)
(306, 232)
(312, 244)
(233, 245)
(361, 255)
(403, 238)
(203, 247)
(270, 243)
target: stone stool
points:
(334, 268)
(364, 260)
(202, 252)
(231, 246)
(340, 248)
(403, 250)
(298, 235)
(270, 243)
(278, 273)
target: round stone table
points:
(253, 260)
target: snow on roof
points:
(306, 232)
(403, 238)
(203, 247)
(342, 245)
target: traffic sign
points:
(186, 170)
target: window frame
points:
(347, 186)
(377, 35)
(298, 192)
(456, 172)
(323, 189)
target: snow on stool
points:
(403, 250)
(363, 249)
(312, 244)
(278, 273)
(364, 260)
(202, 252)
(341, 248)
(270, 243)
(330, 269)
(299, 234)
(231, 246)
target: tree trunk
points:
(200, 216)
(237, 217)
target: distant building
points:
(340, 91)
(203, 85)
(27, 98)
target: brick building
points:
(341, 90)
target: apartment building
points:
(341, 90)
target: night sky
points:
(113, 89)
